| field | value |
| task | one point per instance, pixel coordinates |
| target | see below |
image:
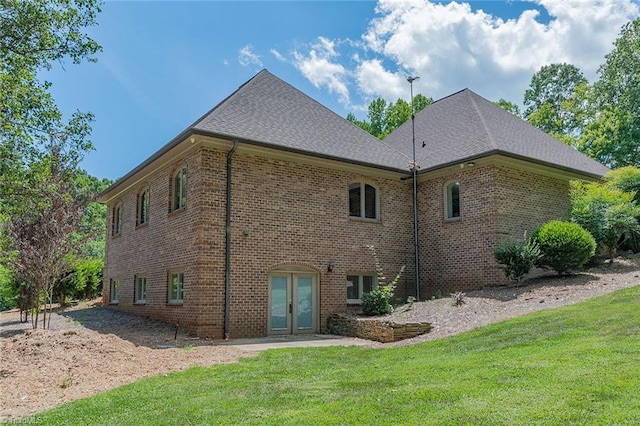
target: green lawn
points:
(574, 365)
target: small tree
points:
(377, 302)
(45, 210)
(518, 257)
(565, 246)
(608, 213)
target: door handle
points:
(290, 307)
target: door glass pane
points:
(278, 303)
(305, 302)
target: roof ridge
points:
(206, 114)
(449, 96)
(341, 117)
(494, 145)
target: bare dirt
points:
(91, 349)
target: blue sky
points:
(164, 64)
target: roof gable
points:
(465, 125)
(268, 111)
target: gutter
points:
(227, 244)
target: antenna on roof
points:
(414, 173)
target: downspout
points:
(415, 231)
(227, 244)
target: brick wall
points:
(288, 214)
(496, 203)
(294, 214)
(171, 241)
(283, 213)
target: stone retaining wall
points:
(375, 329)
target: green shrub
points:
(377, 302)
(608, 213)
(518, 257)
(564, 246)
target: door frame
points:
(291, 273)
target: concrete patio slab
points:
(292, 341)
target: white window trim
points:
(361, 284)
(138, 300)
(116, 219)
(174, 188)
(447, 198)
(362, 202)
(176, 301)
(139, 209)
(113, 284)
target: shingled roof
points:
(465, 126)
(270, 112)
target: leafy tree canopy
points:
(33, 36)
(383, 118)
(614, 135)
(509, 106)
(549, 98)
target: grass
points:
(573, 365)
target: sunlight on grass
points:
(572, 365)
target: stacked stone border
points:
(375, 329)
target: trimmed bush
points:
(377, 301)
(518, 257)
(565, 246)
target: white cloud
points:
(451, 46)
(278, 55)
(321, 67)
(246, 57)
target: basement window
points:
(357, 285)
(176, 287)
(141, 290)
(114, 286)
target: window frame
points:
(116, 219)
(142, 211)
(363, 201)
(179, 291)
(114, 287)
(449, 212)
(136, 290)
(179, 181)
(360, 276)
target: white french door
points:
(293, 303)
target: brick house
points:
(254, 220)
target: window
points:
(357, 285)
(363, 201)
(140, 289)
(113, 291)
(116, 219)
(179, 200)
(176, 287)
(142, 207)
(452, 200)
